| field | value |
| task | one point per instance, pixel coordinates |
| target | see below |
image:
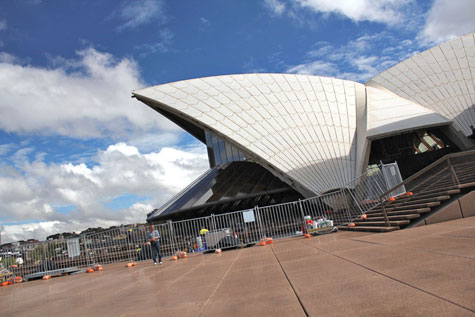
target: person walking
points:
(154, 239)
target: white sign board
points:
(248, 215)
(73, 247)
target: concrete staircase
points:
(432, 189)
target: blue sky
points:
(76, 151)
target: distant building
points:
(274, 138)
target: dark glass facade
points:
(412, 150)
(220, 152)
(225, 188)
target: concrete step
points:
(466, 185)
(371, 223)
(406, 207)
(398, 217)
(368, 229)
(405, 201)
(390, 212)
(443, 192)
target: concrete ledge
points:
(467, 204)
(450, 212)
(420, 223)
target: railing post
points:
(213, 224)
(354, 199)
(302, 214)
(172, 235)
(45, 267)
(385, 215)
(454, 175)
(301, 209)
(85, 249)
(259, 221)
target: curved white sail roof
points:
(303, 126)
(313, 132)
(441, 79)
(388, 114)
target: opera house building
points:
(274, 138)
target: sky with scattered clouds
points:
(76, 151)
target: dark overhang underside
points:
(225, 188)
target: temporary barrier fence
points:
(239, 228)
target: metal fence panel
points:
(393, 178)
(227, 230)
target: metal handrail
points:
(425, 169)
(445, 158)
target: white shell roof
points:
(441, 79)
(389, 113)
(303, 126)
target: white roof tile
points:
(305, 126)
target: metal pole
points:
(45, 267)
(356, 202)
(213, 224)
(385, 215)
(85, 250)
(172, 235)
(454, 175)
(259, 223)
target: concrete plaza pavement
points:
(426, 271)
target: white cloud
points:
(448, 19)
(163, 45)
(150, 142)
(384, 11)
(21, 156)
(136, 13)
(390, 12)
(7, 58)
(83, 98)
(275, 6)
(359, 59)
(312, 68)
(30, 193)
(3, 25)
(6, 148)
(26, 231)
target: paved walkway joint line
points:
(290, 283)
(392, 278)
(220, 282)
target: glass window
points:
(222, 150)
(242, 157)
(216, 149)
(208, 139)
(235, 154)
(229, 152)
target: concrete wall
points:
(463, 207)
